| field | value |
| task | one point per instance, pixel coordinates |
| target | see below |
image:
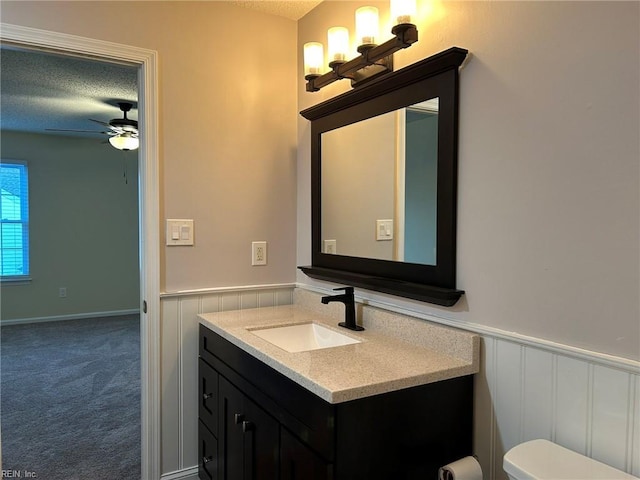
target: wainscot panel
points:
(581, 404)
(179, 344)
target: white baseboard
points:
(74, 316)
(190, 473)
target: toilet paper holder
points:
(466, 468)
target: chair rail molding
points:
(149, 205)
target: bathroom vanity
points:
(377, 408)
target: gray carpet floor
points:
(70, 399)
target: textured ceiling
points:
(293, 9)
(41, 91)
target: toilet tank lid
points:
(544, 460)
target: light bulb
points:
(367, 25)
(124, 141)
(403, 11)
(338, 44)
(313, 59)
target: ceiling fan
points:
(123, 132)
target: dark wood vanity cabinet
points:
(250, 449)
(255, 423)
(299, 462)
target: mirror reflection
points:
(379, 186)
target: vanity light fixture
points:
(124, 141)
(373, 60)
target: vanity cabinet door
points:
(208, 396)
(249, 437)
(207, 453)
(299, 462)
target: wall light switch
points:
(330, 246)
(179, 232)
(384, 230)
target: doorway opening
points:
(146, 63)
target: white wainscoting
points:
(525, 392)
(179, 353)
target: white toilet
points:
(544, 460)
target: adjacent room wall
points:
(83, 228)
(548, 203)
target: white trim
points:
(625, 364)
(242, 288)
(150, 267)
(72, 44)
(73, 316)
(147, 62)
(181, 387)
(184, 474)
(400, 172)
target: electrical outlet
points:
(258, 253)
(62, 292)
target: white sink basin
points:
(303, 337)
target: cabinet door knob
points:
(247, 426)
(238, 417)
(206, 460)
(207, 396)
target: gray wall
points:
(83, 227)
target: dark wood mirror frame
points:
(436, 76)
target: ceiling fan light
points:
(124, 141)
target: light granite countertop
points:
(382, 362)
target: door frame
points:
(149, 203)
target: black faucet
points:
(349, 307)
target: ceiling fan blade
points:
(80, 131)
(101, 122)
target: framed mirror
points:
(384, 183)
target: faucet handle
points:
(347, 290)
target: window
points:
(14, 221)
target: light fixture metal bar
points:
(405, 36)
